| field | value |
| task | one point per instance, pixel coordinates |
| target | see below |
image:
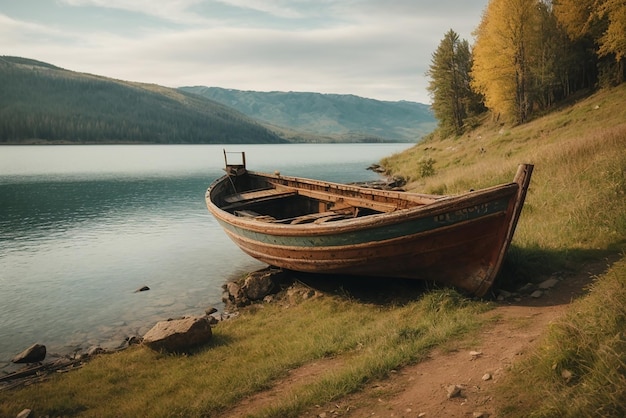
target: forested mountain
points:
(339, 117)
(41, 103)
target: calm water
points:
(83, 227)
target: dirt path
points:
(474, 366)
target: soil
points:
(475, 366)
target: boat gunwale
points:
(438, 207)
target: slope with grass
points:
(341, 353)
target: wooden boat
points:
(323, 227)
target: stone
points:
(258, 285)
(527, 288)
(486, 376)
(548, 284)
(179, 335)
(210, 310)
(567, 375)
(475, 354)
(26, 413)
(454, 391)
(536, 294)
(33, 354)
(94, 350)
(134, 340)
(504, 294)
(142, 289)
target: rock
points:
(480, 414)
(142, 289)
(33, 354)
(536, 294)
(134, 340)
(94, 350)
(486, 376)
(503, 294)
(258, 285)
(254, 288)
(178, 335)
(454, 391)
(567, 375)
(527, 288)
(475, 354)
(548, 284)
(210, 310)
(24, 414)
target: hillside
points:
(41, 103)
(338, 117)
(355, 348)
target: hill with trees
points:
(338, 117)
(41, 103)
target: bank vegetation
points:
(575, 213)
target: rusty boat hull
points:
(322, 227)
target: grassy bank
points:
(362, 341)
(579, 370)
(575, 212)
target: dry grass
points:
(251, 354)
(580, 368)
(575, 210)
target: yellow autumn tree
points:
(577, 17)
(503, 56)
(613, 40)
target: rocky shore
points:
(268, 285)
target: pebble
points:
(475, 354)
(454, 391)
(548, 284)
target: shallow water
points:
(83, 227)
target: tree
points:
(599, 27)
(503, 56)
(613, 40)
(449, 87)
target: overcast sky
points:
(378, 49)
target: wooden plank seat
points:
(238, 200)
(312, 217)
(322, 217)
(254, 215)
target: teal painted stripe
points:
(381, 233)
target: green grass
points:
(575, 208)
(575, 213)
(579, 370)
(251, 353)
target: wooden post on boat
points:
(235, 169)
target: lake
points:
(83, 227)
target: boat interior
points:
(289, 200)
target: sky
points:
(378, 49)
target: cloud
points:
(370, 48)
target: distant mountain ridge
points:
(42, 103)
(339, 117)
